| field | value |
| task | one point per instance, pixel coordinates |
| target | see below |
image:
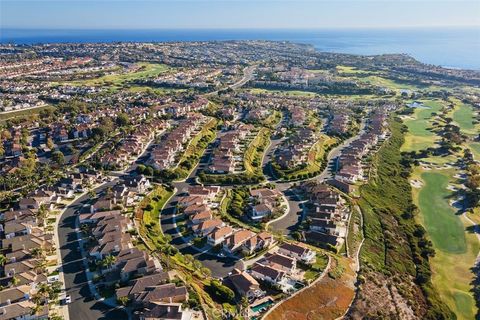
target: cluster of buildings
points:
(349, 163)
(264, 203)
(133, 145)
(197, 207)
(29, 247)
(339, 124)
(164, 154)
(178, 109)
(198, 78)
(277, 268)
(228, 151)
(294, 151)
(298, 116)
(327, 220)
(139, 279)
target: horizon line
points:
(240, 28)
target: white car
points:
(68, 299)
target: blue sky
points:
(269, 14)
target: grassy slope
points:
(390, 248)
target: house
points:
(14, 294)
(23, 311)
(187, 201)
(234, 242)
(218, 235)
(297, 251)
(260, 211)
(245, 285)
(322, 239)
(163, 311)
(137, 265)
(111, 243)
(205, 227)
(280, 262)
(139, 184)
(139, 285)
(194, 209)
(200, 217)
(261, 241)
(164, 293)
(29, 203)
(324, 225)
(94, 217)
(267, 273)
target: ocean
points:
(448, 47)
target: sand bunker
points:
(416, 183)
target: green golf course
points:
(463, 116)
(444, 227)
(419, 136)
(456, 250)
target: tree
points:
(108, 261)
(15, 281)
(123, 301)
(50, 144)
(122, 119)
(205, 272)
(58, 157)
(3, 260)
(221, 292)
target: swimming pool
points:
(262, 306)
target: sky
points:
(236, 14)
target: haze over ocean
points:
(455, 47)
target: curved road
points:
(294, 217)
(219, 266)
(83, 306)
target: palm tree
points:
(15, 281)
(108, 261)
(3, 259)
(37, 252)
(42, 214)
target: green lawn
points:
(419, 136)
(475, 147)
(285, 92)
(353, 70)
(150, 228)
(253, 155)
(117, 80)
(195, 149)
(24, 113)
(444, 227)
(314, 163)
(463, 116)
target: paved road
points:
(220, 267)
(247, 76)
(83, 305)
(294, 217)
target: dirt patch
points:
(387, 298)
(327, 299)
